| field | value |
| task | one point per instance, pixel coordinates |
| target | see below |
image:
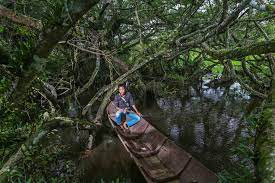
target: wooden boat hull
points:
(158, 158)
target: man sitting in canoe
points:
(124, 103)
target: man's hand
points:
(138, 113)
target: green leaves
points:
(2, 29)
(39, 64)
(22, 30)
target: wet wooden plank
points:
(156, 170)
(141, 149)
(174, 157)
(152, 138)
(139, 127)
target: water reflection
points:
(206, 124)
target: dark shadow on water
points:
(109, 162)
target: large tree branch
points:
(20, 19)
(54, 32)
(115, 60)
(214, 29)
(224, 10)
(103, 104)
(262, 47)
(120, 79)
(250, 75)
(234, 15)
(47, 41)
(92, 78)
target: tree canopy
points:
(69, 50)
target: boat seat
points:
(127, 134)
(148, 144)
(141, 150)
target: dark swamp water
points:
(206, 123)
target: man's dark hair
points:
(122, 85)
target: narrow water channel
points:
(206, 124)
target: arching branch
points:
(262, 47)
(92, 78)
(120, 79)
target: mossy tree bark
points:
(49, 37)
(262, 47)
(265, 141)
(56, 122)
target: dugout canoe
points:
(159, 158)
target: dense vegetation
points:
(61, 61)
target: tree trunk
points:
(47, 41)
